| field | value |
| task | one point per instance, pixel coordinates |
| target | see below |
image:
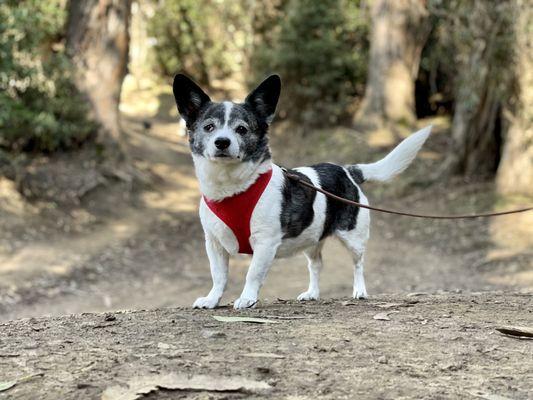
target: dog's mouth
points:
(222, 156)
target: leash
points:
(297, 179)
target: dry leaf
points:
(245, 319)
(519, 332)
(384, 316)
(348, 303)
(139, 386)
(389, 305)
(287, 317)
(7, 385)
(264, 355)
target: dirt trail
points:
(146, 250)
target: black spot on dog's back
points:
(297, 208)
(339, 216)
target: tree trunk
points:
(515, 173)
(399, 31)
(483, 38)
(98, 43)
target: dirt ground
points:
(432, 347)
(82, 240)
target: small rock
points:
(109, 317)
(383, 360)
(83, 385)
(209, 334)
(416, 294)
(165, 346)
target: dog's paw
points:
(360, 293)
(242, 303)
(309, 295)
(205, 302)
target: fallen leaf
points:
(519, 332)
(348, 303)
(264, 355)
(286, 317)
(7, 385)
(389, 305)
(245, 319)
(384, 316)
(488, 396)
(140, 386)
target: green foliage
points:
(321, 53)
(40, 108)
(203, 39)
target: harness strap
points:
(236, 211)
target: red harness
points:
(236, 211)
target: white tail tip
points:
(398, 159)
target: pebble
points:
(383, 360)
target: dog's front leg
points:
(218, 262)
(261, 263)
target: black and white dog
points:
(250, 206)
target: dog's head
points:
(228, 132)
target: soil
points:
(110, 244)
(432, 347)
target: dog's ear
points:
(190, 98)
(264, 98)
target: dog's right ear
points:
(264, 98)
(190, 98)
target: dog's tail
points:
(394, 163)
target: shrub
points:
(204, 39)
(40, 108)
(320, 51)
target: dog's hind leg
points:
(314, 264)
(355, 241)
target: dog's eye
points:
(241, 130)
(209, 128)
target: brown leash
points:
(296, 178)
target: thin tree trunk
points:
(515, 173)
(98, 43)
(399, 31)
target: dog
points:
(249, 205)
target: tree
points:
(515, 173)
(481, 39)
(398, 34)
(98, 43)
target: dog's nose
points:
(222, 143)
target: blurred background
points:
(98, 199)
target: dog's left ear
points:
(264, 98)
(190, 98)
